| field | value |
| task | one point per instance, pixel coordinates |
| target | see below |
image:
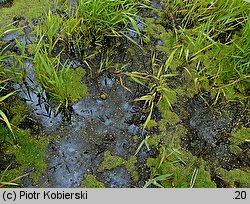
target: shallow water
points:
(36, 98)
(96, 125)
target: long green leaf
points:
(2, 98)
(170, 59)
(4, 117)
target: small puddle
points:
(97, 124)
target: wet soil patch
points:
(108, 122)
(97, 125)
(209, 130)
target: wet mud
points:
(97, 124)
(209, 131)
(108, 120)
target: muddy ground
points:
(97, 125)
(107, 126)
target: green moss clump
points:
(76, 88)
(30, 152)
(171, 136)
(110, 162)
(235, 149)
(168, 166)
(178, 176)
(19, 110)
(169, 39)
(90, 181)
(151, 124)
(170, 117)
(180, 165)
(9, 175)
(152, 30)
(203, 179)
(240, 136)
(19, 8)
(168, 97)
(132, 169)
(187, 88)
(154, 140)
(235, 178)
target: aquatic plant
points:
(110, 162)
(48, 30)
(235, 178)
(215, 38)
(3, 117)
(157, 86)
(100, 18)
(90, 181)
(175, 168)
(62, 83)
(156, 83)
(31, 151)
(206, 40)
(87, 24)
(3, 83)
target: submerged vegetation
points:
(184, 61)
